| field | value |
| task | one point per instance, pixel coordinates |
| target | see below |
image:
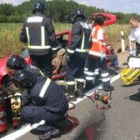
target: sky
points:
(125, 6)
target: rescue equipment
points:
(101, 99)
(16, 105)
(132, 72)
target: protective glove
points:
(102, 56)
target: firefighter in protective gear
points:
(39, 35)
(97, 56)
(77, 52)
(16, 62)
(42, 99)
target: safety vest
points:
(82, 46)
(95, 48)
(37, 36)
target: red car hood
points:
(3, 69)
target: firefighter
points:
(77, 52)
(16, 62)
(97, 56)
(39, 35)
(135, 35)
(13, 64)
(42, 99)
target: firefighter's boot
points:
(80, 87)
(108, 88)
(71, 93)
(89, 85)
(106, 82)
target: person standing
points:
(77, 53)
(135, 35)
(39, 35)
(97, 56)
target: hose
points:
(97, 100)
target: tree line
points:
(58, 10)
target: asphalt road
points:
(120, 122)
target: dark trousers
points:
(75, 68)
(137, 49)
(34, 114)
(95, 62)
(44, 62)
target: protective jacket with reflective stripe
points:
(38, 32)
(80, 37)
(35, 70)
(95, 47)
(48, 94)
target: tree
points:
(58, 10)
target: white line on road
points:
(26, 129)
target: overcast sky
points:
(125, 6)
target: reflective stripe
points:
(86, 69)
(96, 53)
(44, 88)
(42, 73)
(71, 96)
(42, 40)
(83, 41)
(39, 47)
(89, 78)
(96, 40)
(35, 125)
(96, 72)
(54, 49)
(104, 74)
(85, 72)
(106, 79)
(96, 69)
(17, 94)
(71, 83)
(85, 25)
(28, 37)
(80, 80)
(81, 50)
(35, 19)
(42, 36)
(90, 73)
(70, 51)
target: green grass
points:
(114, 37)
(9, 37)
(10, 43)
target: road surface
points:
(120, 122)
